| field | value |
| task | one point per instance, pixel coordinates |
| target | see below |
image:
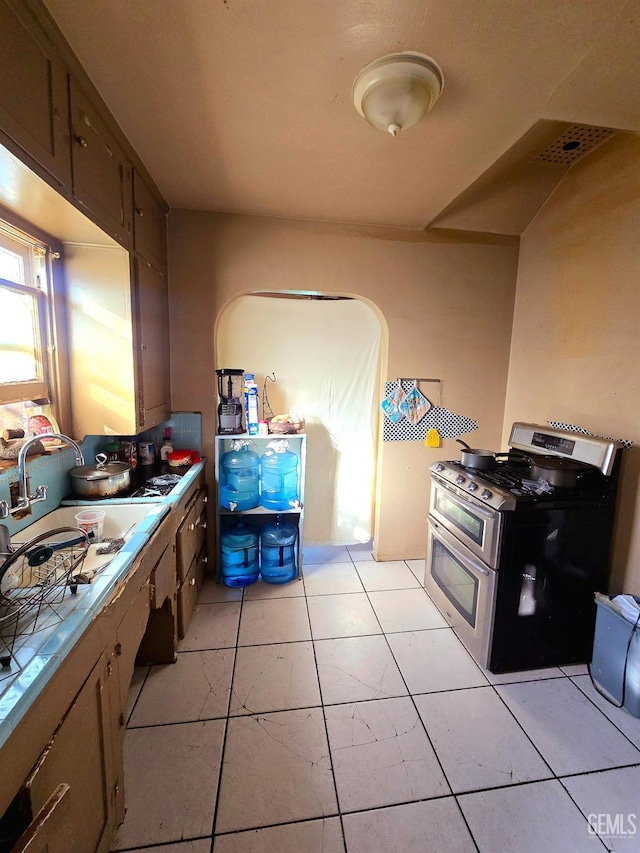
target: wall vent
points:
(576, 141)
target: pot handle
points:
(463, 443)
(101, 459)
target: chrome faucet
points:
(24, 498)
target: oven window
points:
(460, 516)
(456, 581)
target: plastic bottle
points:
(239, 549)
(167, 445)
(251, 403)
(277, 552)
(279, 477)
(240, 477)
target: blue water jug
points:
(277, 552)
(279, 477)
(240, 477)
(239, 549)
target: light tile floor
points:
(340, 713)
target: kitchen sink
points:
(121, 521)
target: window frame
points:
(52, 386)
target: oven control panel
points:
(536, 438)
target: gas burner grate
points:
(157, 487)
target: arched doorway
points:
(325, 353)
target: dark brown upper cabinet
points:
(101, 171)
(151, 303)
(149, 223)
(34, 105)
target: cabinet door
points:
(188, 592)
(101, 172)
(149, 223)
(34, 110)
(163, 577)
(129, 633)
(152, 313)
(80, 755)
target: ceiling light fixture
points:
(396, 91)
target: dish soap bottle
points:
(167, 445)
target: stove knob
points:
(473, 487)
(439, 467)
(460, 479)
(486, 494)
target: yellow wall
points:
(576, 336)
(446, 301)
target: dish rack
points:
(34, 580)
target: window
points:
(25, 316)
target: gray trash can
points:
(615, 666)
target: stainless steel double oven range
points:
(513, 568)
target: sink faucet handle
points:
(40, 495)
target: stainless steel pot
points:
(557, 471)
(103, 480)
(483, 460)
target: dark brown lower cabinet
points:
(80, 756)
(69, 745)
(189, 591)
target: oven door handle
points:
(461, 555)
(485, 513)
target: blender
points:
(230, 391)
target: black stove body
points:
(513, 564)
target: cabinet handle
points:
(204, 525)
(118, 649)
(192, 527)
(82, 141)
(192, 582)
(140, 211)
(205, 499)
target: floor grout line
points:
(226, 729)
(323, 705)
(326, 728)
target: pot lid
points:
(99, 472)
(558, 463)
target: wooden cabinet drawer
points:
(191, 535)
(201, 503)
(186, 543)
(187, 599)
(188, 592)
(163, 578)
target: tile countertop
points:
(45, 650)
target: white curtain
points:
(325, 355)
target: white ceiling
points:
(245, 106)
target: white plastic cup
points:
(92, 522)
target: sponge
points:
(433, 438)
